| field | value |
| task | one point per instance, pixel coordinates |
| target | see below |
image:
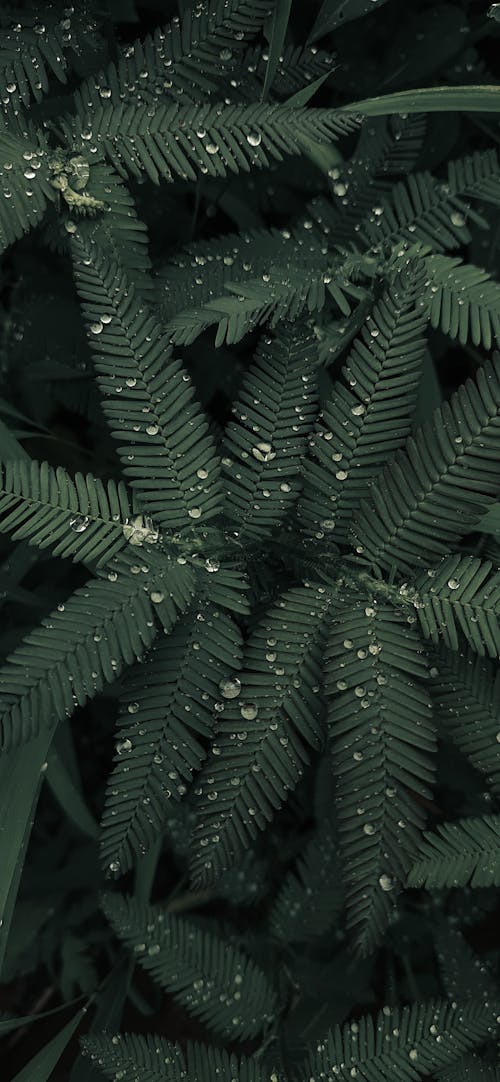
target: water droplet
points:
(254, 138)
(194, 512)
(79, 523)
(114, 866)
(211, 148)
(386, 882)
(211, 564)
(124, 746)
(457, 218)
(263, 452)
(95, 328)
(248, 711)
(453, 584)
(230, 688)
(133, 708)
(157, 596)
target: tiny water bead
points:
(254, 139)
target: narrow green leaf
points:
(431, 99)
(21, 775)
(334, 13)
(40, 1068)
(68, 796)
(276, 38)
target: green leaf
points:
(60, 665)
(82, 519)
(21, 776)
(152, 410)
(434, 99)
(263, 470)
(237, 138)
(334, 13)
(68, 796)
(276, 38)
(455, 854)
(273, 709)
(438, 488)
(40, 1068)
(461, 595)
(167, 712)
(383, 747)
(400, 1045)
(353, 439)
(214, 980)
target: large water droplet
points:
(230, 688)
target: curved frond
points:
(243, 280)
(155, 1059)
(369, 417)
(117, 231)
(461, 595)
(33, 43)
(464, 301)
(440, 485)
(270, 714)
(211, 978)
(382, 747)
(264, 446)
(189, 57)
(465, 691)
(81, 519)
(166, 708)
(310, 901)
(455, 854)
(460, 967)
(422, 208)
(147, 1056)
(74, 652)
(234, 137)
(169, 453)
(400, 1045)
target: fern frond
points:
(400, 1045)
(270, 716)
(240, 281)
(215, 981)
(25, 189)
(81, 519)
(439, 487)
(169, 453)
(460, 967)
(154, 1059)
(69, 658)
(32, 47)
(455, 854)
(167, 706)
(131, 1056)
(382, 744)
(233, 138)
(461, 594)
(263, 448)
(117, 231)
(189, 57)
(465, 691)
(464, 301)
(470, 1068)
(310, 900)
(364, 422)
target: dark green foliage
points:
(250, 541)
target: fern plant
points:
(249, 518)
